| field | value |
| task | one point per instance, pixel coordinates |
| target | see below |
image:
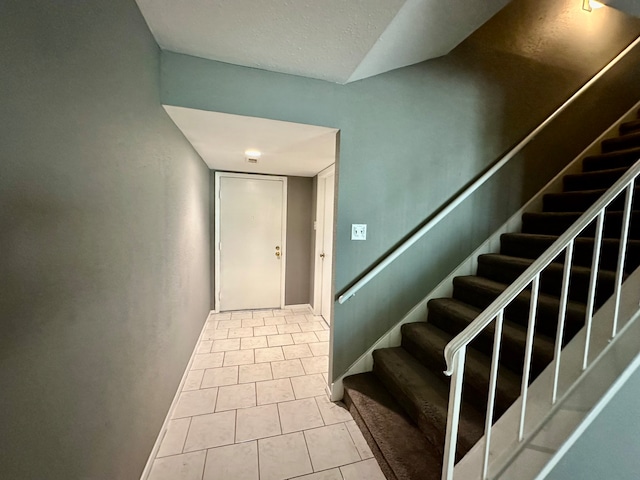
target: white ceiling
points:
(335, 40)
(287, 148)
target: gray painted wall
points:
(104, 242)
(300, 216)
(411, 138)
(609, 446)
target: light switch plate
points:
(358, 231)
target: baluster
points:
(592, 287)
(564, 296)
(453, 414)
(535, 286)
(493, 381)
(626, 217)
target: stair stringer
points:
(505, 449)
(393, 336)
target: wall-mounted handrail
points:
(458, 199)
(455, 351)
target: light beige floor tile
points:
(276, 466)
(235, 323)
(266, 330)
(197, 402)
(204, 346)
(262, 313)
(207, 360)
(179, 467)
(274, 391)
(332, 412)
(368, 469)
(326, 378)
(358, 439)
(319, 349)
(311, 326)
(255, 373)
(238, 357)
(252, 322)
(274, 321)
(333, 474)
(219, 377)
(316, 364)
(299, 415)
(253, 342)
(296, 351)
(257, 422)
(272, 354)
(314, 318)
(221, 316)
(233, 462)
(287, 368)
(279, 340)
(193, 380)
(241, 315)
(219, 334)
(308, 386)
(282, 312)
(174, 438)
(240, 332)
(236, 396)
(213, 430)
(331, 447)
(306, 337)
(226, 345)
(289, 328)
(323, 336)
(295, 318)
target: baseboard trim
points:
(163, 429)
(300, 306)
(392, 337)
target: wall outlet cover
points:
(358, 231)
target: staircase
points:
(401, 406)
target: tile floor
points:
(254, 406)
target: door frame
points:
(283, 256)
(319, 231)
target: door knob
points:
(322, 255)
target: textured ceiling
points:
(287, 148)
(334, 40)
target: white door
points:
(325, 235)
(251, 241)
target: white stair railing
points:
(455, 351)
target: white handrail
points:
(506, 297)
(478, 182)
(455, 350)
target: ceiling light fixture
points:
(253, 153)
(589, 5)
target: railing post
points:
(562, 313)
(526, 371)
(591, 298)
(622, 252)
(493, 381)
(453, 414)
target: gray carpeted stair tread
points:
(601, 179)
(506, 269)
(453, 316)
(398, 445)
(621, 142)
(425, 397)
(608, 161)
(530, 245)
(556, 223)
(629, 127)
(481, 292)
(426, 343)
(581, 200)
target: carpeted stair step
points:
(426, 343)
(607, 161)
(601, 179)
(481, 292)
(454, 316)
(425, 397)
(556, 223)
(398, 445)
(506, 269)
(580, 201)
(527, 245)
(622, 142)
(629, 127)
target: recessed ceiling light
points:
(253, 153)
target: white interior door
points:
(251, 241)
(326, 183)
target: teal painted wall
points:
(104, 242)
(413, 137)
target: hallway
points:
(254, 407)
